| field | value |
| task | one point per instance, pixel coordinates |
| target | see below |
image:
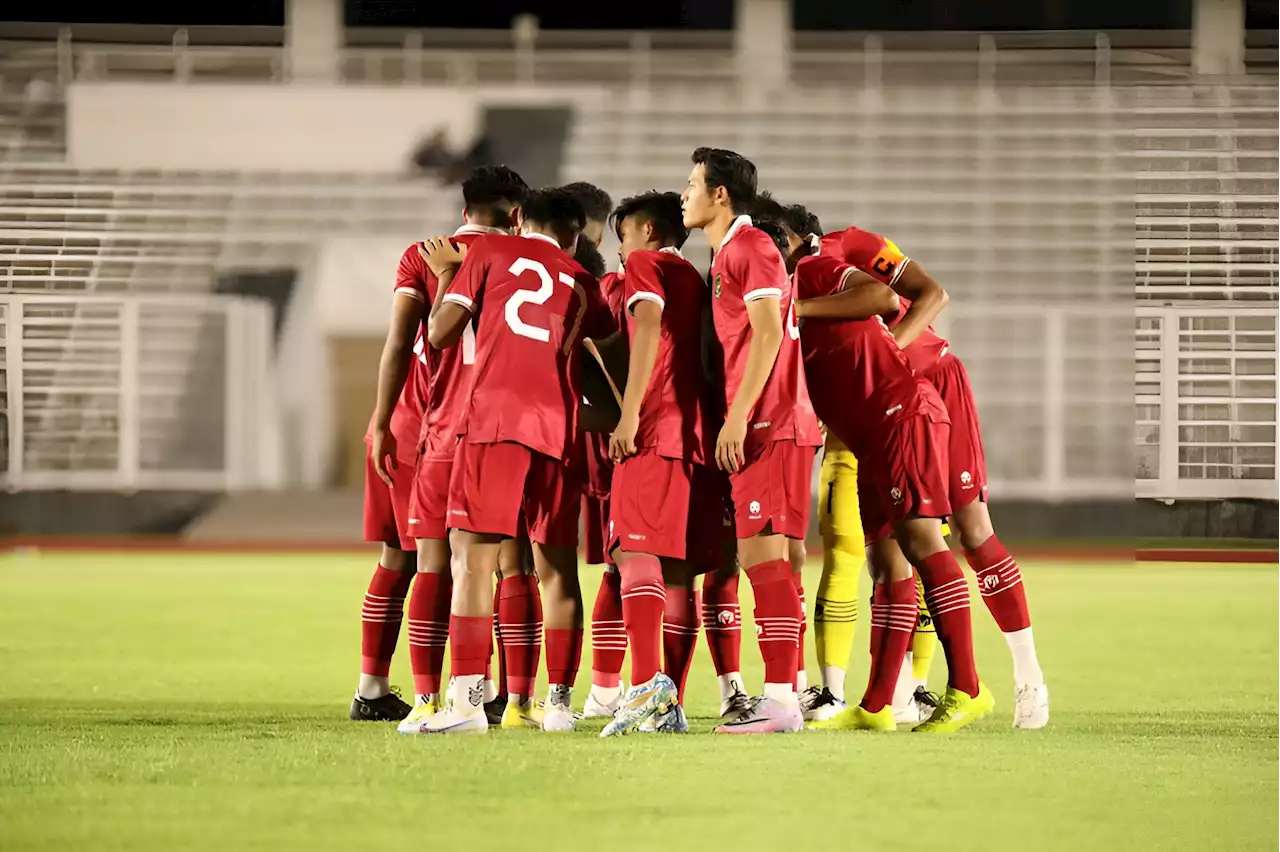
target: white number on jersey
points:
(532, 297)
(469, 343)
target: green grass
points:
(198, 702)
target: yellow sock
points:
(835, 618)
(924, 643)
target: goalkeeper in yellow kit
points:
(835, 616)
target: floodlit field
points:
(195, 702)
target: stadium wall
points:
(291, 128)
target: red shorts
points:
(429, 503)
(649, 505)
(772, 491)
(906, 479)
(967, 470)
(492, 483)
(595, 528)
(386, 508)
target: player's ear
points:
(517, 219)
(649, 231)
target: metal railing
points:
(131, 393)
(526, 57)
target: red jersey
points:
(450, 371)
(412, 277)
(596, 446)
(673, 414)
(862, 383)
(748, 267)
(882, 260)
(533, 305)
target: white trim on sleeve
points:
(763, 293)
(411, 293)
(897, 273)
(459, 299)
(645, 296)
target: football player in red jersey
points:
(608, 638)
(894, 421)
(999, 578)
(661, 448)
(491, 196)
(533, 305)
(770, 434)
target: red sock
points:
(564, 653)
(777, 616)
(947, 595)
(722, 621)
(497, 639)
(428, 629)
(643, 599)
(893, 621)
(469, 640)
(608, 635)
(380, 618)
(798, 580)
(679, 634)
(520, 617)
(1000, 582)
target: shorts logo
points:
(896, 493)
(754, 508)
(966, 479)
(990, 582)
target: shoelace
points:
(924, 696)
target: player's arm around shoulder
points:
(461, 274)
(855, 295)
(881, 258)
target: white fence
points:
(138, 392)
(1206, 395)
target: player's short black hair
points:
(731, 170)
(662, 209)
(765, 208)
(776, 233)
(590, 258)
(595, 202)
(800, 220)
(555, 207)
(495, 187)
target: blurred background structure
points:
(202, 213)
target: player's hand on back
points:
(729, 453)
(622, 443)
(441, 254)
(384, 453)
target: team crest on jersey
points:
(715, 290)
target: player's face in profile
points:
(632, 235)
(694, 201)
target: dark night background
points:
(670, 14)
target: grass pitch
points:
(192, 702)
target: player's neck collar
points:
(478, 229)
(815, 243)
(551, 240)
(671, 250)
(739, 223)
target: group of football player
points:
(524, 393)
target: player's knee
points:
(395, 559)
(973, 524)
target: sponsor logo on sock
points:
(475, 695)
(990, 581)
(725, 617)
